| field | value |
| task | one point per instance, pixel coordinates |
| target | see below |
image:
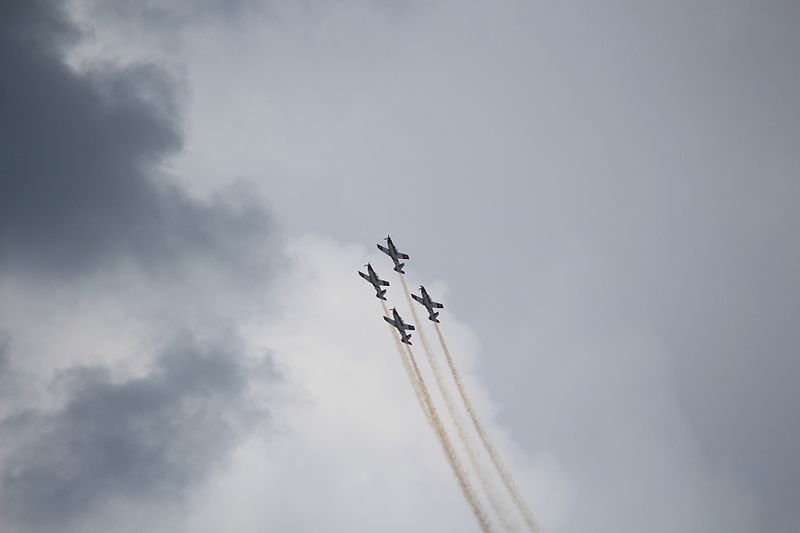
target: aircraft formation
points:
(396, 320)
(474, 468)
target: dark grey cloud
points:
(146, 439)
(5, 371)
(82, 192)
(80, 156)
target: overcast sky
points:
(603, 194)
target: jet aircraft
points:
(376, 281)
(401, 326)
(429, 304)
(392, 252)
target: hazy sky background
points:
(604, 195)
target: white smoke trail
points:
(424, 398)
(526, 513)
(412, 378)
(483, 478)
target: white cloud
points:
(350, 450)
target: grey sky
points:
(607, 192)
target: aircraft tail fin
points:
(399, 267)
(381, 294)
(434, 317)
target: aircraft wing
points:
(390, 321)
(403, 256)
(384, 249)
(408, 327)
(418, 299)
(383, 282)
(438, 305)
(363, 276)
